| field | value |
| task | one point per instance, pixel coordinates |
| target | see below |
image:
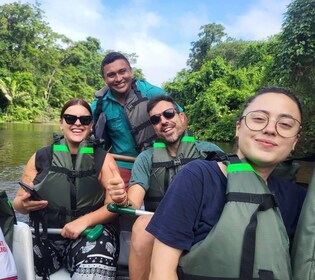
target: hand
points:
(31, 205)
(115, 186)
(73, 229)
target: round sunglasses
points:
(71, 119)
(168, 114)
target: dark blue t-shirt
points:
(196, 197)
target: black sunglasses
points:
(168, 114)
(71, 119)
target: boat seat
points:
(23, 253)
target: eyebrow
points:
(281, 115)
(114, 73)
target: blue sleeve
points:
(191, 206)
(290, 197)
(141, 170)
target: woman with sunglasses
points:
(70, 177)
(233, 219)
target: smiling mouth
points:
(120, 85)
(266, 142)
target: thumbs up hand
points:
(115, 186)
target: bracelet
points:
(124, 203)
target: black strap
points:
(99, 157)
(172, 163)
(140, 127)
(73, 173)
(99, 104)
(265, 201)
(40, 220)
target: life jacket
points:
(249, 241)
(136, 116)
(7, 218)
(303, 248)
(165, 167)
(71, 191)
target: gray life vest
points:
(71, 191)
(165, 167)
(303, 248)
(136, 116)
(249, 241)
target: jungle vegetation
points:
(41, 69)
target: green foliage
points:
(210, 35)
(298, 38)
(40, 70)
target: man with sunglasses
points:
(153, 171)
(119, 111)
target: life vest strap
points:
(265, 200)
(172, 163)
(268, 201)
(73, 173)
(140, 127)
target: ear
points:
(237, 128)
(60, 124)
(183, 118)
(295, 142)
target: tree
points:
(295, 60)
(210, 35)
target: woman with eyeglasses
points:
(232, 219)
(70, 177)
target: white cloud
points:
(158, 61)
(130, 33)
(262, 20)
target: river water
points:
(19, 141)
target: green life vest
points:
(303, 249)
(165, 167)
(136, 116)
(7, 218)
(71, 191)
(249, 241)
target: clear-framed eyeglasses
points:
(286, 127)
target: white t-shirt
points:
(8, 268)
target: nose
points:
(164, 120)
(77, 122)
(118, 77)
(271, 127)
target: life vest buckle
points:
(74, 174)
(177, 161)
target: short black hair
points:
(160, 97)
(110, 58)
(274, 89)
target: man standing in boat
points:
(119, 111)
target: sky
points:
(160, 32)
